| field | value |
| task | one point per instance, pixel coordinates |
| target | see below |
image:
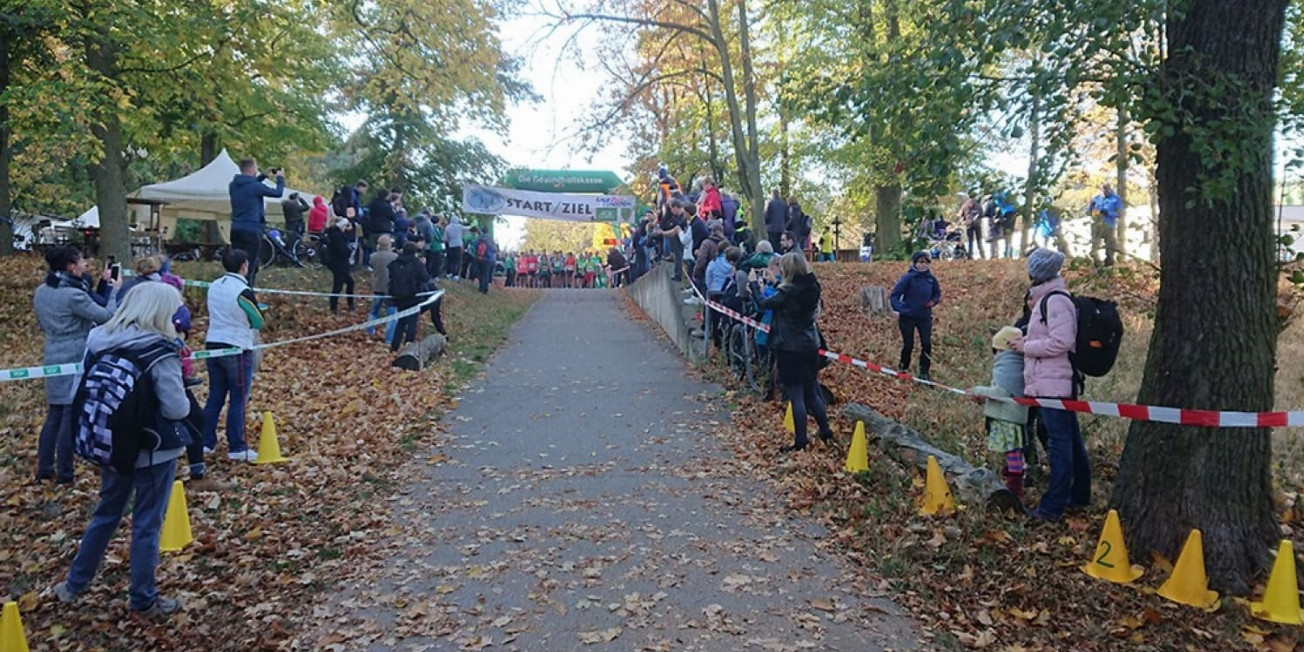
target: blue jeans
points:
(153, 487)
(55, 443)
(374, 313)
(233, 375)
(1070, 470)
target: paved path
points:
(582, 503)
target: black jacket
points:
(776, 215)
(793, 326)
(337, 248)
(381, 215)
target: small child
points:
(1006, 422)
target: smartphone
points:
(115, 270)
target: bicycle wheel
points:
(736, 351)
(266, 252)
(306, 251)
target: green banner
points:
(571, 181)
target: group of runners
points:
(540, 269)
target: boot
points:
(1014, 482)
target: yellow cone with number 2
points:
(1188, 584)
(858, 454)
(1110, 561)
(937, 495)
(269, 449)
(176, 522)
(1281, 600)
(12, 636)
(788, 422)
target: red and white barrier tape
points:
(1182, 416)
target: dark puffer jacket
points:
(794, 305)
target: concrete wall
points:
(659, 297)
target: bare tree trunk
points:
(749, 98)
(1214, 343)
(887, 220)
(109, 173)
(6, 154)
(1121, 189)
(785, 154)
(208, 148)
(745, 171)
(1030, 189)
(1154, 220)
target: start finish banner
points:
(546, 205)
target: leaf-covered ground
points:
(268, 545)
(980, 580)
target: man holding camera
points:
(247, 216)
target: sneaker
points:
(247, 455)
(64, 594)
(792, 448)
(162, 607)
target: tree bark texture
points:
(745, 172)
(1214, 343)
(1121, 164)
(109, 173)
(749, 109)
(887, 217)
(208, 148)
(1030, 188)
(6, 191)
(974, 485)
(416, 356)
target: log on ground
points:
(976, 485)
(414, 356)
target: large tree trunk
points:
(749, 109)
(109, 173)
(1214, 343)
(741, 158)
(208, 148)
(887, 217)
(6, 192)
(1120, 189)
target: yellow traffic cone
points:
(937, 495)
(12, 636)
(269, 449)
(1188, 584)
(176, 523)
(1281, 600)
(787, 420)
(1110, 561)
(858, 454)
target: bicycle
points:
(273, 247)
(750, 362)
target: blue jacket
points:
(1109, 206)
(247, 192)
(915, 294)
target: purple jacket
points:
(1047, 372)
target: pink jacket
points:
(1047, 372)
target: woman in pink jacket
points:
(1048, 373)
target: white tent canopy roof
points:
(204, 193)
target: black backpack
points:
(403, 283)
(115, 403)
(1100, 332)
(341, 201)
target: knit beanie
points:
(1044, 265)
(918, 256)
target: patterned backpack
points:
(114, 404)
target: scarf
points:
(62, 279)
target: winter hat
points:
(1044, 265)
(920, 255)
(1001, 340)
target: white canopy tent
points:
(202, 195)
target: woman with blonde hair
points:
(140, 330)
(796, 342)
